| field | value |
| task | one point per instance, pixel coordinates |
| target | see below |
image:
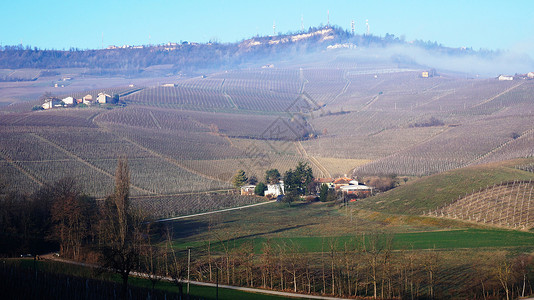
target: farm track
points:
(79, 159)
(312, 159)
(343, 90)
(230, 100)
(156, 122)
(498, 95)
(21, 169)
(131, 92)
(303, 80)
(368, 104)
(530, 131)
(92, 117)
(436, 98)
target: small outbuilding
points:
(247, 190)
(275, 190)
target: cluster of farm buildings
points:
(70, 101)
(346, 185)
(529, 75)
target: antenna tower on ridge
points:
(302, 22)
(367, 25)
(352, 26)
(274, 28)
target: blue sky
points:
(507, 25)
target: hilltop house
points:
(505, 77)
(530, 75)
(247, 190)
(275, 190)
(52, 103)
(429, 73)
(103, 98)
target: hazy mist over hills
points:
(322, 43)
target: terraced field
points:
(508, 204)
(194, 135)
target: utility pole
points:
(217, 285)
(188, 267)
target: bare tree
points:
(120, 229)
(151, 259)
(503, 272)
(177, 267)
(377, 251)
(430, 261)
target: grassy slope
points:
(434, 191)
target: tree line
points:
(366, 266)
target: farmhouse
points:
(247, 190)
(328, 181)
(356, 189)
(530, 75)
(103, 98)
(342, 181)
(168, 85)
(505, 77)
(52, 103)
(69, 101)
(87, 99)
(275, 190)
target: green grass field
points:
(440, 240)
